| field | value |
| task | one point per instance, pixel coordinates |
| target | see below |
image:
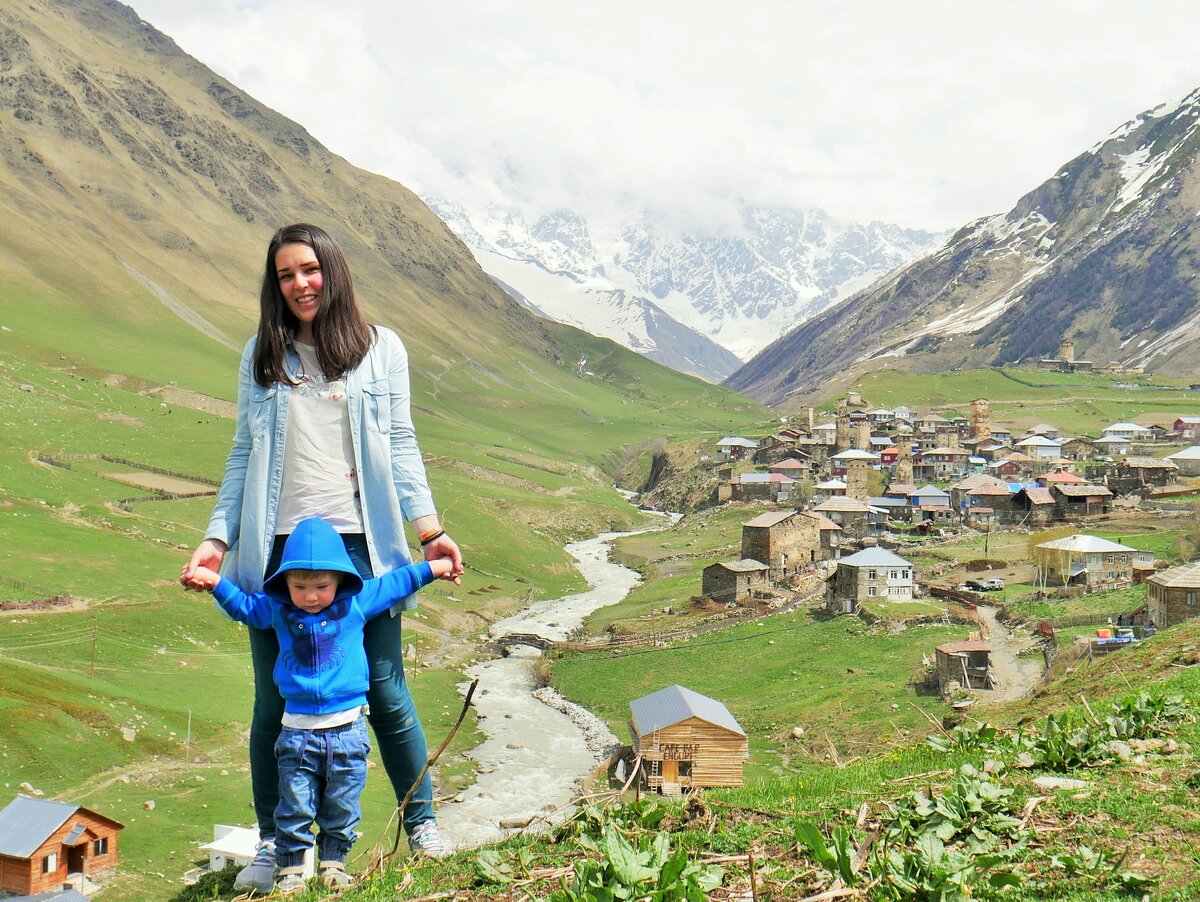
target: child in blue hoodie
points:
(318, 604)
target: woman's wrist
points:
(431, 535)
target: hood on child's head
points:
(315, 545)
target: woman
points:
(324, 429)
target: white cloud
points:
(923, 113)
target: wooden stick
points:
(753, 875)
(833, 748)
(428, 764)
(1091, 713)
(933, 720)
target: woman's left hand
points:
(445, 547)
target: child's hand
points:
(204, 579)
(443, 568)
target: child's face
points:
(312, 591)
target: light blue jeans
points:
(322, 774)
(393, 717)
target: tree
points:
(1052, 563)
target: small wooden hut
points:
(687, 741)
(966, 663)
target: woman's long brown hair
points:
(341, 335)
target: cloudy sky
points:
(922, 113)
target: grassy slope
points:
(518, 450)
(1074, 402)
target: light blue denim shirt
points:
(391, 474)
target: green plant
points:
(649, 871)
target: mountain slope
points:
(140, 188)
(1102, 253)
(727, 292)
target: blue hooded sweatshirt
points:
(322, 666)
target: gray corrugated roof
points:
(54, 895)
(745, 565)
(770, 519)
(26, 823)
(875, 557)
(676, 704)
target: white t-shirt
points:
(319, 478)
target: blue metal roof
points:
(54, 895)
(26, 823)
(675, 704)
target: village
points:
(862, 495)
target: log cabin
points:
(43, 842)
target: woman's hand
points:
(209, 555)
(445, 547)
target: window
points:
(50, 863)
(685, 768)
(871, 574)
(100, 846)
(871, 591)
(1191, 599)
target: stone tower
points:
(904, 460)
(1066, 350)
(804, 419)
(842, 436)
(856, 480)
(862, 435)
(981, 420)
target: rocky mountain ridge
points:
(1103, 253)
(701, 301)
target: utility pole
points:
(95, 630)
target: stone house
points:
(732, 582)
(734, 447)
(944, 463)
(774, 488)
(1136, 473)
(1074, 500)
(785, 541)
(1034, 506)
(856, 518)
(1079, 447)
(873, 573)
(1173, 596)
(829, 533)
(1187, 460)
(1111, 446)
(965, 664)
(1089, 561)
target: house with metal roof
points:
(1187, 460)
(1173, 595)
(870, 574)
(686, 741)
(1133, 432)
(1040, 447)
(734, 447)
(42, 843)
(963, 665)
(1089, 561)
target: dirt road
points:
(1016, 675)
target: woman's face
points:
(302, 284)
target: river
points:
(535, 754)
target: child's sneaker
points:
(426, 840)
(290, 880)
(259, 874)
(333, 874)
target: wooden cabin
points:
(686, 741)
(43, 842)
(965, 664)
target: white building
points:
(1040, 447)
(1188, 461)
(1130, 431)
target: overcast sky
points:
(927, 114)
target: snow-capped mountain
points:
(698, 302)
(1104, 253)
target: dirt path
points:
(1016, 675)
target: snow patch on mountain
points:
(738, 289)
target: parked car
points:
(992, 584)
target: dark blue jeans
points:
(398, 732)
(321, 778)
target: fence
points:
(61, 460)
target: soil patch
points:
(158, 483)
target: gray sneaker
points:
(259, 874)
(426, 840)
